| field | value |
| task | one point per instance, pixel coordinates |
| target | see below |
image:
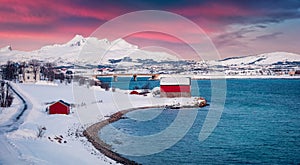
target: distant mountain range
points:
(80, 50)
(261, 59)
(93, 51)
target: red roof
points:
(59, 107)
(134, 93)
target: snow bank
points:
(46, 83)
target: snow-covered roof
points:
(61, 101)
(175, 81)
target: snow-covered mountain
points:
(7, 48)
(261, 59)
(80, 50)
(94, 51)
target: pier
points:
(135, 76)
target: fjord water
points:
(260, 124)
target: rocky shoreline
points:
(92, 134)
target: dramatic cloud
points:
(232, 38)
(269, 36)
(230, 23)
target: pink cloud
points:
(44, 21)
(43, 12)
(155, 36)
(31, 40)
(30, 24)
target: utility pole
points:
(6, 97)
(2, 94)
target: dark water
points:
(260, 124)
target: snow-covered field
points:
(62, 141)
(24, 147)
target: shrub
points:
(40, 131)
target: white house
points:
(30, 74)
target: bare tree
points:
(6, 98)
(40, 131)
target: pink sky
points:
(235, 27)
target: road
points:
(9, 153)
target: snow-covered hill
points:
(80, 50)
(261, 59)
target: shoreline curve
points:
(91, 133)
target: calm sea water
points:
(260, 124)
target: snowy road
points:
(9, 153)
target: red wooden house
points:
(175, 87)
(59, 107)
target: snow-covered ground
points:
(62, 141)
(24, 144)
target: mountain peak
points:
(6, 48)
(78, 40)
(78, 37)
